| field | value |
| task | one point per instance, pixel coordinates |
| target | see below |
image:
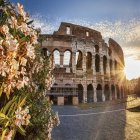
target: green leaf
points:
(7, 123)
(3, 134)
(3, 116)
(30, 22)
(0, 91)
(22, 102)
(21, 130)
(7, 106)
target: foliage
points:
(24, 79)
(43, 118)
(13, 116)
(17, 40)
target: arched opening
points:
(45, 52)
(53, 98)
(96, 48)
(80, 93)
(88, 60)
(104, 63)
(79, 59)
(90, 93)
(97, 63)
(113, 92)
(107, 92)
(99, 93)
(56, 57)
(67, 58)
(110, 64)
(118, 92)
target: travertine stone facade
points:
(94, 72)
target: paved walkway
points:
(101, 123)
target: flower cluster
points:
(52, 121)
(17, 41)
(22, 116)
(9, 135)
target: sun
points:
(132, 68)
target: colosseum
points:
(87, 69)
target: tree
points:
(18, 85)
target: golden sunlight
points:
(132, 68)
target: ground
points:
(104, 122)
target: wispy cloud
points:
(127, 34)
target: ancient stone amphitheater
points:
(86, 68)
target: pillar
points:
(61, 59)
(93, 64)
(95, 94)
(115, 92)
(85, 94)
(110, 91)
(74, 62)
(75, 100)
(103, 95)
(101, 66)
(84, 62)
(60, 100)
(108, 67)
(113, 68)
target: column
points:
(115, 93)
(110, 91)
(95, 94)
(61, 59)
(103, 95)
(93, 64)
(101, 65)
(85, 94)
(60, 100)
(75, 100)
(74, 62)
(108, 67)
(84, 62)
(113, 68)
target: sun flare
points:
(132, 68)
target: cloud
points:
(127, 34)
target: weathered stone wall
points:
(110, 67)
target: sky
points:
(118, 19)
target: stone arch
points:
(88, 60)
(99, 93)
(97, 63)
(45, 52)
(113, 92)
(80, 93)
(107, 92)
(79, 59)
(104, 64)
(56, 57)
(90, 93)
(96, 48)
(118, 92)
(67, 58)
